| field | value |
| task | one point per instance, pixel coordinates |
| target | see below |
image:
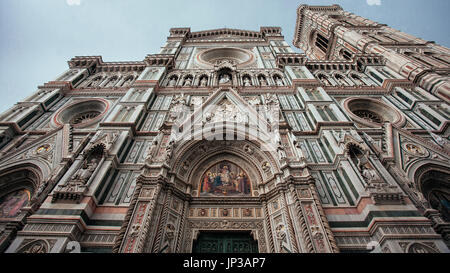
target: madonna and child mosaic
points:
(225, 179)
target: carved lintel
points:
(72, 191)
(385, 194)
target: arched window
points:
(321, 42)
(344, 54)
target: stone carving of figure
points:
(263, 81)
(279, 81)
(151, 151)
(169, 150)
(203, 82)
(368, 173)
(247, 82)
(41, 188)
(172, 81)
(271, 99)
(187, 82)
(298, 145)
(281, 151)
(38, 247)
(208, 117)
(281, 235)
(83, 174)
(225, 78)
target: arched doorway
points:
(226, 214)
(434, 183)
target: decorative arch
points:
(18, 184)
(433, 181)
(195, 157)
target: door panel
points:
(225, 242)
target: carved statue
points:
(247, 82)
(367, 171)
(83, 174)
(225, 78)
(169, 151)
(263, 81)
(281, 151)
(271, 99)
(151, 151)
(279, 81)
(172, 81)
(187, 82)
(203, 82)
(37, 247)
(281, 235)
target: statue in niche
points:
(179, 108)
(151, 151)
(263, 81)
(203, 82)
(247, 81)
(280, 232)
(367, 171)
(172, 81)
(279, 81)
(187, 82)
(281, 151)
(169, 151)
(224, 78)
(84, 173)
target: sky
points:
(38, 37)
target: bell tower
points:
(330, 33)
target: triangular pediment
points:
(227, 111)
(411, 148)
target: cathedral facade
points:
(227, 141)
